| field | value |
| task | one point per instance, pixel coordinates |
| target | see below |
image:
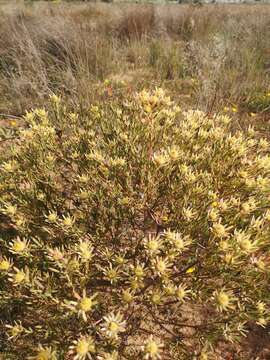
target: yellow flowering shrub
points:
(134, 230)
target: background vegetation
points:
(207, 56)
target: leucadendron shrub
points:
(133, 231)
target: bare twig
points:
(10, 117)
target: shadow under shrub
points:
(141, 232)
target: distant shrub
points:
(259, 102)
(136, 24)
(168, 62)
(134, 230)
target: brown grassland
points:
(208, 57)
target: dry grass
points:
(211, 55)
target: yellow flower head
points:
(147, 108)
(156, 298)
(203, 356)
(161, 266)
(112, 273)
(248, 207)
(108, 356)
(152, 244)
(223, 300)
(152, 349)
(213, 214)
(86, 304)
(170, 289)
(174, 153)
(19, 246)
(52, 217)
(113, 325)
(160, 159)
(138, 271)
(85, 249)
(20, 276)
(244, 242)
(5, 264)
(10, 166)
(219, 230)
(229, 258)
(181, 292)
(260, 307)
(83, 348)
(42, 113)
(10, 210)
(15, 330)
(179, 242)
(190, 270)
(223, 245)
(188, 214)
(68, 221)
(55, 254)
(45, 354)
(127, 296)
(55, 99)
